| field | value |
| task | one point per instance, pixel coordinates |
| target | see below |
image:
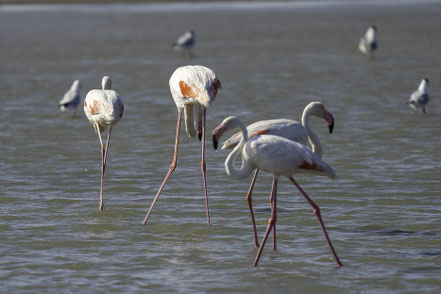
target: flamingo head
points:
(230, 122)
(106, 83)
(318, 109)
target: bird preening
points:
(104, 108)
(278, 156)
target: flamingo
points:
(280, 157)
(420, 97)
(72, 97)
(104, 108)
(193, 88)
(289, 129)
(368, 43)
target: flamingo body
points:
(72, 97)
(420, 98)
(193, 88)
(104, 108)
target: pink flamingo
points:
(193, 88)
(280, 157)
(289, 129)
(104, 108)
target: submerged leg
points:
(203, 166)
(271, 222)
(170, 171)
(316, 211)
(250, 205)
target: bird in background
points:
(280, 157)
(420, 97)
(72, 97)
(185, 42)
(289, 129)
(193, 89)
(368, 43)
(104, 108)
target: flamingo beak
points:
(217, 134)
(200, 130)
(329, 119)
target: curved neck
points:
(312, 137)
(246, 168)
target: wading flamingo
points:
(289, 129)
(104, 108)
(368, 43)
(185, 42)
(193, 88)
(72, 97)
(420, 97)
(280, 157)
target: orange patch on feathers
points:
(187, 91)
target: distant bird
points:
(420, 97)
(104, 108)
(185, 42)
(280, 157)
(368, 43)
(72, 97)
(193, 88)
(289, 129)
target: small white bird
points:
(104, 108)
(368, 44)
(279, 157)
(72, 97)
(420, 97)
(185, 42)
(289, 129)
(194, 88)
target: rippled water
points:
(383, 213)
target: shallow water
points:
(383, 213)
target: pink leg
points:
(170, 171)
(203, 166)
(250, 205)
(271, 222)
(316, 211)
(103, 166)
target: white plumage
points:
(104, 108)
(193, 88)
(186, 41)
(420, 97)
(72, 97)
(368, 43)
(278, 156)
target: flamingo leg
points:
(101, 205)
(250, 205)
(203, 165)
(170, 171)
(271, 222)
(316, 211)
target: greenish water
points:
(383, 213)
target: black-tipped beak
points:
(331, 128)
(215, 142)
(200, 136)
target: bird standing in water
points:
(280, 157)
(420, 97)
(72, 97)
(289, 129)
(368, 43)
(104, 108)
(193, 88)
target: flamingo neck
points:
(312, 137)
(423, 87)
(189, 120)
(246, 168)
